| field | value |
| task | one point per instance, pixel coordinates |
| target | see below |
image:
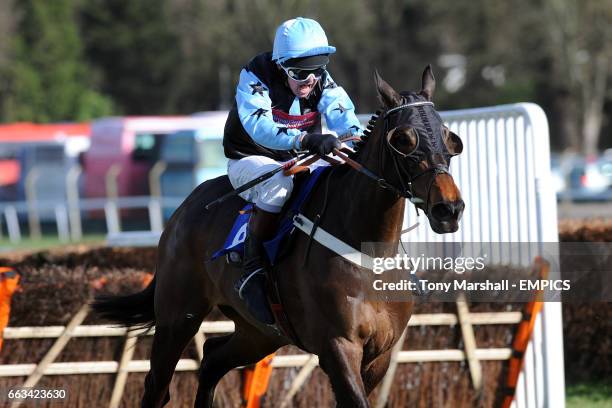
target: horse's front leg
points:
(341, 361)
(375, 371)
(221, 354)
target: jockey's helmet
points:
(298, 38)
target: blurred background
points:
(111, 111)
(71, 63)
(73, 60)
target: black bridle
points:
(406, 189)
(396, 155)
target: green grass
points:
(589, 395)
(46, 242)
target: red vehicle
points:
(51, 148)
(134, 144)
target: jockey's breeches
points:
(269, 195)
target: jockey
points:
(279, 101)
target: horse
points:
(408, 149)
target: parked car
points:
(134, 144)
(192, 156)
(558, 175)
(583, 178)
(50, 149)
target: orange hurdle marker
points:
(9, 283)
(256, 382)
(523, 335)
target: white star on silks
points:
(340, 108)
(257, 88)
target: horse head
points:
(413, 149)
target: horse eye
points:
(404, 140)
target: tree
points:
(580, 39)
(217, 38)
(554, 52)
(132, 44)
(47, 80)
(7, 28)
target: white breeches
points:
(269, 195)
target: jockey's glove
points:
(320, 143)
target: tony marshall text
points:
(455, 285)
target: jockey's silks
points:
(267, 117)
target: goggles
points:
(302, 74)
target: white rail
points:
(282, 361)
(299, 360)
(227, 326)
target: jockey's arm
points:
(255, 112)
(338, 109)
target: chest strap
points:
(332, 243)
(345, 250)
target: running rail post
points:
(551, 316)
(72, 196)
(111, 208)
(30, 192)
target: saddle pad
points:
(235, 239)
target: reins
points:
(406, 190)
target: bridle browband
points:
(407, 105)
(406, 189)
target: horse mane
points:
(358, 146)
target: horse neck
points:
(369, 212)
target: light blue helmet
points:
(300, 37)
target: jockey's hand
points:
(320, 143)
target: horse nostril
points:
(442, 211)
(447, 211)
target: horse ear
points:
(386, 94)
(428, 83)
(453, 143)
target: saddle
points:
(277, 247)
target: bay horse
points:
(409, 149)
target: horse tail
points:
(135, 310)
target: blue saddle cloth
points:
(235, 240)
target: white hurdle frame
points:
(505, 179)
